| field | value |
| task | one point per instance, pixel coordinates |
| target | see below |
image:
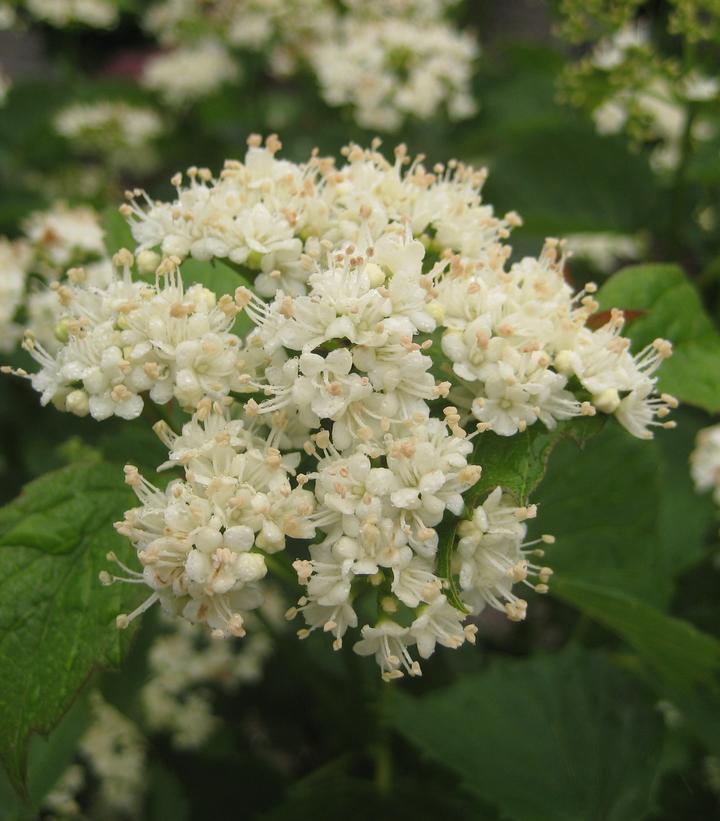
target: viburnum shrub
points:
(368, 345)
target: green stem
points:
(383, 762)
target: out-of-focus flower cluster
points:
(630, 85)
(120, 133)
(186, 670)
(387, 60)
(705, 462)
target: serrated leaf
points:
(627, 520)
(672, 309)
(48, 759)
(518, 463)
(553, 738)
(56, 620)
(624, 513)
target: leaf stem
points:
(383, 759)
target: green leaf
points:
(518, 463)
(672, 309)
(553, 738)
(330, 793)
(625, 514)
(679, 660)
(117, 231)
(167, 798)
(220, 278)
(627, 521)
(56, 620)
(48, 759)
(674, 649)
(515, 463)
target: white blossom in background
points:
(8, 16)
(191, 72)
(120, 131)
(387, 60)
(64, 235)
(5, 86)
(62, 800)
(114, 749)
(185, 671)
(113, 757)
(705, 461)
(185, 667)
(647, 99)
(417, 9)
(389, 334)
(61, 13)
(604, 251)
(392, 69)
(14, 264)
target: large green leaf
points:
(56, 620)
(672, 309)
(627, 522)
(48, 758)
(679, 660)
(624, 512)
(673, 649)
(554, 738)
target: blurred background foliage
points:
(604, 704)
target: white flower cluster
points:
(33, 267)
(62, 13)
(113, 758)
(387, 59)
(519, 340)
(204, 541)
(493, 556)
(184, 666)
(130, 338)
(115, 751)
(190, 72)
(381, 290)
(121, 132)
(390, 70)
(271, 215)
(705, 461)
(651, 100)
